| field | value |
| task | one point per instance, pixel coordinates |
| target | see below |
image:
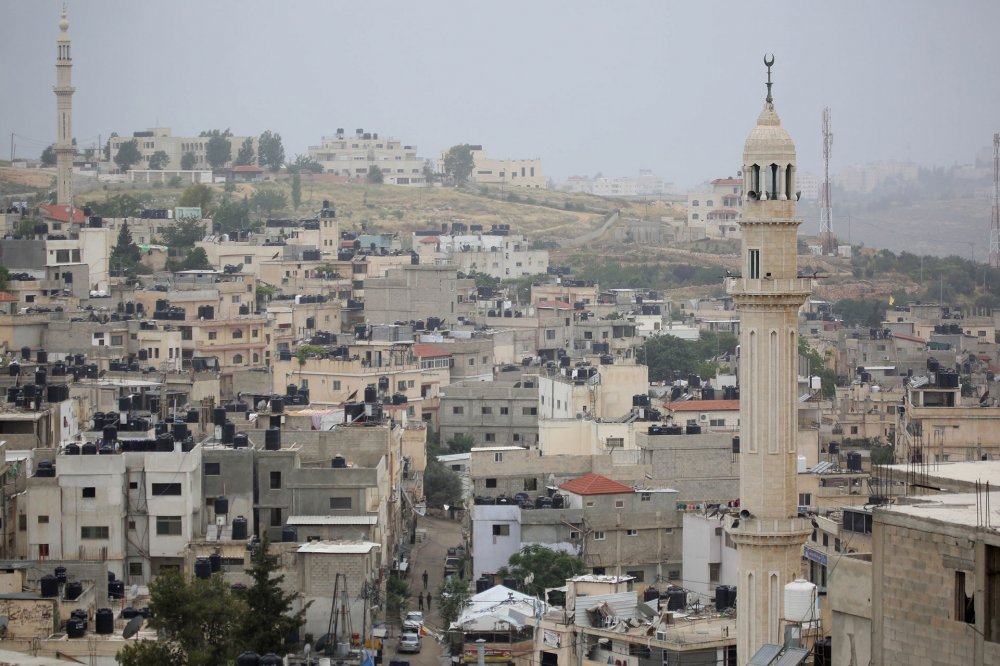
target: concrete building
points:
(708, 556)
(498, 413)
(499, 254)
(717, 207)
(156, 139)
(417, 292)
(768, 534)
(353, 156)
(64, 148)
(506, 172)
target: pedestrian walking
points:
(425, 578)
(428, 602)
(420, 600)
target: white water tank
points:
(800, 601)
(802, 465)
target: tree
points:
(296, 190)
(461, 443)
(453, 597)
(827, 376)
(218, 148)
(49, 155)
(268, 199)
(199, 621)
(4, 277)
(246, 156)
(268, 620)
(536, 568)
(375, 176)
(396, 594)
(232, 216)
(458, 163)
(125, 250)
(183, 233)
(429, 174)
(187, 161)
(120, 205)
(272, 153)
(305, 163)
(196, 260)
(197, 195)
(441, 485)
(159, 160)
(128, 154)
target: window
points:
(854, 430)
(168, 526)
(713, 571)
(504, 411)
(162, 489)
(694, 203)
(497, 457)
(668, 530)
(619, 504)
(674, 574)
(487, 410)
(616, 442)
(22, 522)
(590, 503)
(472, 361)
(135, 568)
(529, 411)
(599, 536)
(276, 518)
(275, 480)
(644, 497)
(573, 536)
(458, 409)
(336, 384)
(717, 423)
(237, 359)
(826, 540)
(93, 532)
(550, 334)
(133, 485)
(858, 522)
(116, 340)
(212, 469)
(501, 530)
(43, 520)
(491, 483)
(236, 298)
(131, 525)
(639, 576)
(531, 483)
(43, 550)
(805, 499)
(89, 492)
(631, 533)
(517, 437)
(212, 335)
(491, 437)
(340, 502)
(754, 264)
(237, 333)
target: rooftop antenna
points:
(768, 62)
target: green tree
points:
(429, 174)
(272, 153)
(232, 216)
(159, 160)
(458, 163)
(120, 205)
(461, 443)
(669, 357)
(453, 596)
(305, 163)
(128, 154)
(246, 156)
(49, 155)
(543, 567)
(218, 148)
(396, 594)
(441, 485)
(125, 250)
(828, 378)
(196, 260)
(4, 277)
(199, 622)
(269, 618)
(197, 195)
(268, 200)
(296, 190)
(183, 233)
(187, 161)
(375, 176)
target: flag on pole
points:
(891, 299)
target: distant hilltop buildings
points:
(352, 156)
(645, 184)
(155, 139)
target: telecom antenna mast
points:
(995, 220)
(826, 239)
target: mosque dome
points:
(768, 142)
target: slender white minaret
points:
(64, 116)
(768, 532)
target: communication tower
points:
(995, 220)
(826, 239)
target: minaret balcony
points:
(741, 286)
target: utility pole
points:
(994, 259)
(826, 239)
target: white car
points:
(409, 642)
(413, 621)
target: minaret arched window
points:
(789, 181)
(772, 181)
(755, 179)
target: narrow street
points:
(427, 555)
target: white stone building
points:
(353, 156)
(155, 139)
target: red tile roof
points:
(424, 350)
(7, 297)
(911, 338)
(595, 484)
(246, 168)
(429, 239)
(558, 305)
(703, 406)
(61, 214)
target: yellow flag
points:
(891, 299)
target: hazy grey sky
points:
(587, 86)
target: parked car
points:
(451, 565)
(413, 621)
(409, 642)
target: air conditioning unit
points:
(704, 417)
(661, 635)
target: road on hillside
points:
(427, 555)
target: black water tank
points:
(129, 612)
(248, 659)
(676, 598)
(853, 461)
(289, 534)
(89, 449)
(50, 586)
(202, 568)
(25, 353)
(241, 440)
(40, 376)
(650, 594)
(239, 528)
(483, 583)
(124, 403)
(371, 394)
(179, 430)
(272, 439)
(277, 405)
(60, 574)
(109, 433)
(834, 448)
(221, 506)
(218, 416)
(338, 462)
(192, 416)
(116, 589)
(228, 432)
(692, 429)
(104, 621)
(72, 449)
(73, 590)
(76, 628)
(823, 652)
(736, 444)
(271, 659)
(216, 561)
(721, 598)
(14, 369)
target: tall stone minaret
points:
(64, 116)
(768, 532)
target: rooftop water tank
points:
(104, 621)
(800, 601)
(239, 528)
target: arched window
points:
(694, 216)
(755, 178)
(772, 181)
(694, 203)
(256, 358)
(789, 182)
(238, 359)
(237, 334)
(709, 203)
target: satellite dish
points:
(321, 644)
(133, 626)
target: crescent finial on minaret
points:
(768, 62)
